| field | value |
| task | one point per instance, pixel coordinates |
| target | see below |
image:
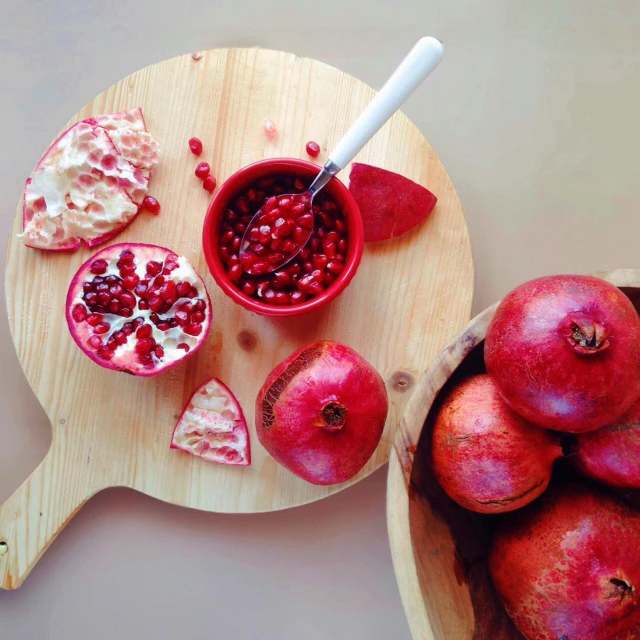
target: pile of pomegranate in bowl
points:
(318, 273)
(514, 488)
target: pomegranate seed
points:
(105, 353)
(306, 221)
(227, 237)
(269, 128)
(144, 346)
(143, 305)
(163, 326)
(153, 268)
(209, 184)
(145, 331)
(199, 305)
(313, 148)
(94, 319)
(159, 351)
(248, 288)
(282, 298)
(342, 246)
(235, 272)
(296, 297)
(261, 267)
(101, 328)
(102, 288)
(151, 205)
(203, 170)
(158, 281)
(138, 322)
(242, 205)
(120, 337)
(183, 289)
(198, 316)
(114, 306)
(99, 267)
(182, 317)
(235, 245)
(155, 303)
(298, 185)
(196, 146)
(315, 288)
(79, 313)
(184, 346)
(95, 342)
(246, 260)
(335, 267)
(320, 261)
(128, 299)
(193, 293)
(308, 267)
(330, 249)
(127, 328)
(193, 329)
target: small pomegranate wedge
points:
(138, 308)
(213, 427)
(90, 182)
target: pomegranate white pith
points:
(90, 182)
(212, 426)
(138, 308)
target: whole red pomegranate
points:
(564, 352)
(485, 456)
(321, 412)
(612, 454)
(568, 566)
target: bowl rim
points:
(401, 459)
(240, 179)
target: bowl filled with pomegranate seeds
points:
(311, 277)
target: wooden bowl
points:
(439, 548)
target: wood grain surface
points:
(439, 548)
(409, 297)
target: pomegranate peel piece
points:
(390, 204)
(90, 183)
(212, 426)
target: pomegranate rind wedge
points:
(212, 426)
(389, 203)
(90, 182)
(172, 339)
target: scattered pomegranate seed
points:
(209, 184)
(313, 148)
(196, 56)
(203, 170)
(195, 144)
(151, 205)
(269, 128)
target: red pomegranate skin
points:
(321, 412)
(612, 454)
(568, 566)
(564, 352)
(485, 456)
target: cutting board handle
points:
(34, 515)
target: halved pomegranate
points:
(213, 427)
(138, 308)
(90, 183)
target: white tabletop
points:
(534, 111)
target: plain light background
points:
(534, 111)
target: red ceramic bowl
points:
(242, 179)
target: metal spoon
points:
(419, 63)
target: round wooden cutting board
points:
(408, 298)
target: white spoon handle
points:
(418, 64)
